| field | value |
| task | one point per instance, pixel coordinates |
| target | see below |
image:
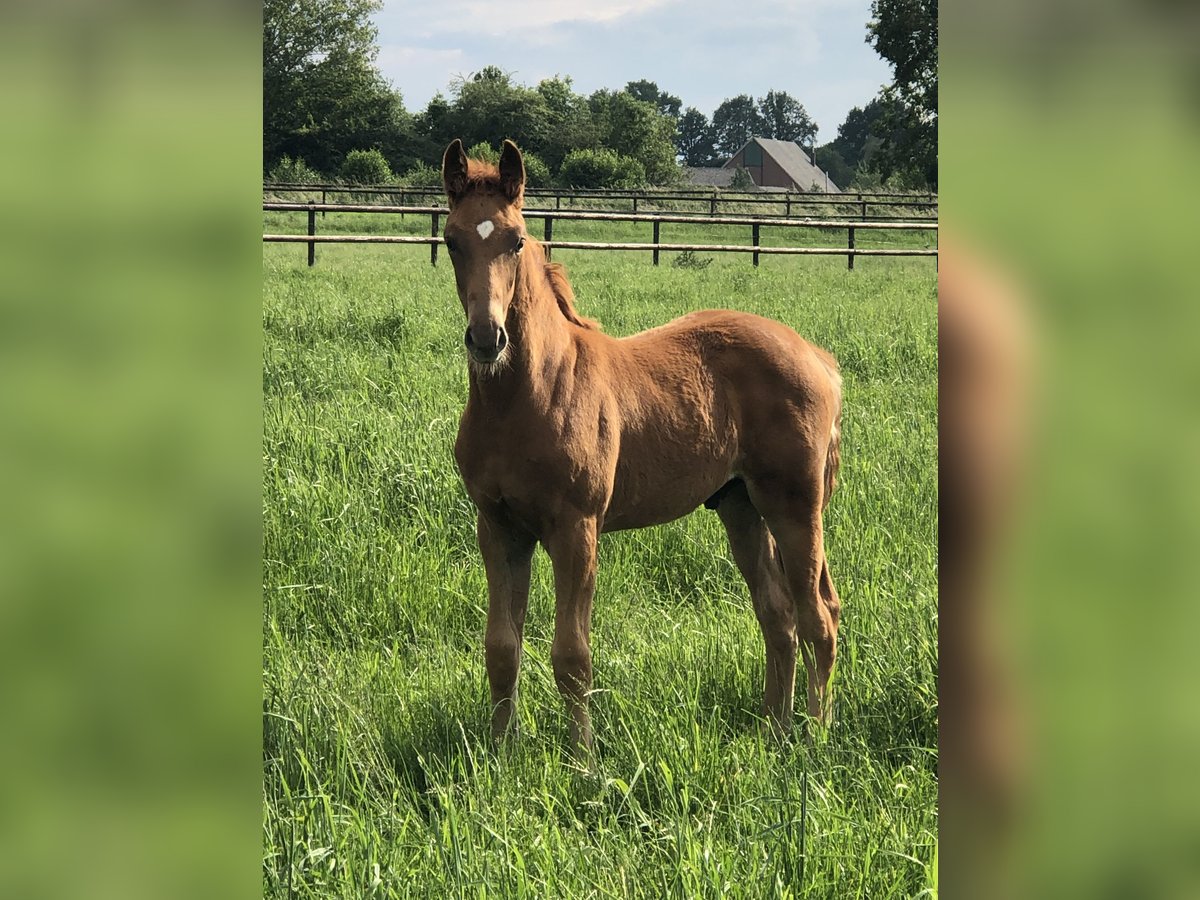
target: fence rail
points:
(655, 246)
(860, 206)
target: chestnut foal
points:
(568, 433)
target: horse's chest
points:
(532, 473)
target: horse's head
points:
(485, 234)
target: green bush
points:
(600, 169)
(537, 173)
(365, 167)
(484, 152)
(422, 175)
(294, 171)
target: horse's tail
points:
(833, 457)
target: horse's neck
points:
(539, 340)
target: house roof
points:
(714, 176)
(794, 161)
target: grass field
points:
(380, 778)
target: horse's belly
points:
(652, 497)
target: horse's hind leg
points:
(507, 558)
(792, 509)
(757, 559)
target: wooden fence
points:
(860, 206)
(655, 246)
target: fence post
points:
(433, 233)
(322, 203)
(712, 205)
(548, 231)
(656, 224)
(850, 246)
(754, 233)
(558, 201)
(787, 208)
(635, 202)
(312, 229)
(864, 210)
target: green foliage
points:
(830, 161)
(423, 175)
(734, 122)
(648, 92)
(865, 179)
(784, 118)
(485, 153)
(294, 171)
(636, 129)
(365, 167)
(600, 169)
(537, 173)
(488, 108)
(905, 34)
(569, 124)
(689, 260)
(694, 139)
(322, 95)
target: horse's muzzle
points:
(485, 341)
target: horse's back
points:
(746, 350)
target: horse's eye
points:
(520, 244)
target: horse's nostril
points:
(467, 338)
(501, 340)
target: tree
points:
(857, 141)
(488, 108)
(833, 164)
(648, 92)
(694, 139)
(734, 122)
(786, 119)
(322, 95)
(638, 130)
(905, 34)
(569, 124)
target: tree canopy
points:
(905, 34)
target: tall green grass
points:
(380, 778)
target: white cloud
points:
(477, 18)
(701, 50)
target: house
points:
(780, 164)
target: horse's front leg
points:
(507, 554)
(572, 549)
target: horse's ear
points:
(512, 172)
(454, 170)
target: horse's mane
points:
(556, 275)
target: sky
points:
(701, 51)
